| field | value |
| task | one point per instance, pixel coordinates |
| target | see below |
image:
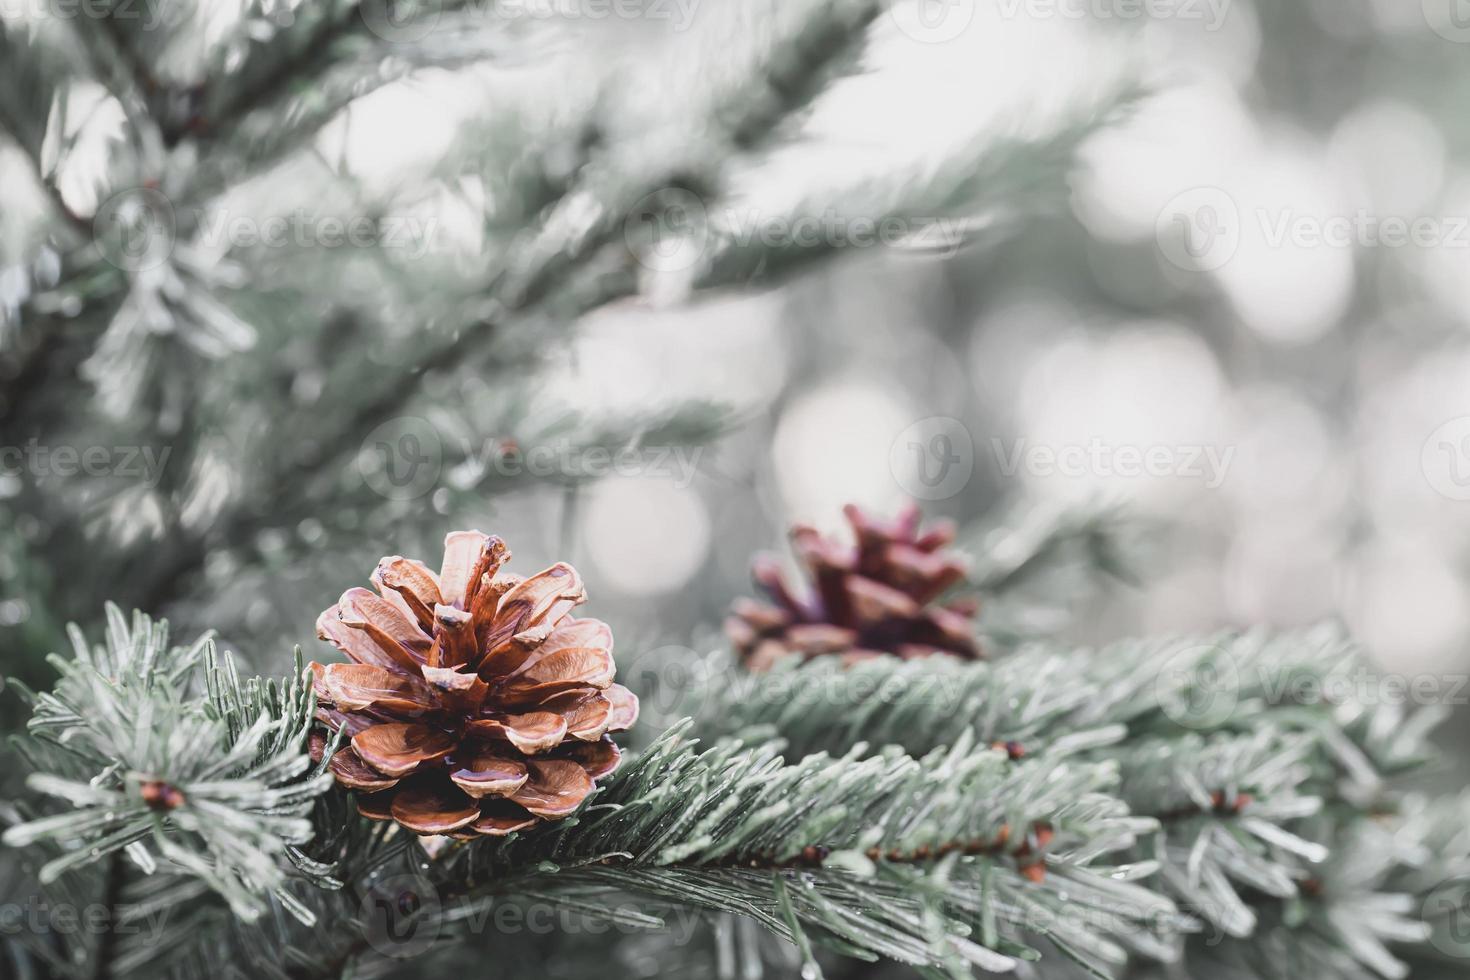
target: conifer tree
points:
(918, 781)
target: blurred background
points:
(1255, 285)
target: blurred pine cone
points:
(872, 598)
(474, 703)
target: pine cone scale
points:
(462, 694)
(498, 818)
(359, 646)
(352, 772)
(454, 637)
(599, 758)
(467, 556)
(531, 733)
(353, 687)
(428, 807)
(396, 638)
(587, 718)
(486, 772)
(555, 789)
(397, 748)
(411, 583)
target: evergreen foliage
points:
(1226, 806)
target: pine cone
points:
(875, 597)
(474, 703)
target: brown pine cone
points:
(872, 598)
(475, 703)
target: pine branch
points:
(884, 855)
(31, 80)
(813, 850)
(1057, 699)
(287, 58)
(217, 784)
(973, 198)
(1240, 746)
(111, 898)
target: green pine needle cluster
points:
(216, 782)
(1267, 760)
